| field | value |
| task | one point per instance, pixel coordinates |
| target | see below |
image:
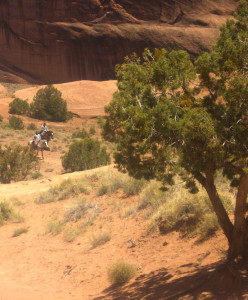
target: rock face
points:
(52, 41)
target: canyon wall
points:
(53, 41)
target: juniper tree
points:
(174, 117)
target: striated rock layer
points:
(52, 41)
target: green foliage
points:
(18, 107)
(80, 134)
(92, 131)
(16, 123)
(19, 231)
(7, 213)
(49, 105)
(16, 163)
(84, 155)
(1, 118)
(36, 174)
(32, 126)
(121, 272)
(172, 117)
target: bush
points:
(16, 163)
(80, 134)
(92, 131)
(63, 191)
(49, 105)
(19, 231)
(121, 272)
(100, 239)
(7, 213)
(16, 123)
(1, 118)
(18, 107)
(32, 126)
(77, 210)
(84, 155)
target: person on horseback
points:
(43, 129)
(36, 138)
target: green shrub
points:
(32, 126)
(49, 105)
(84, 155)
(18, 107)
(121, 272)
(1, 118)
(36, 174)
(7, 213)
(16, 123)
(19, 231)
(64, 190)
(80, 134)
(16, 163)
(54, 227)
(70, 233)
(92, 131)
(99, 239)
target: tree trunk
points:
(239, 243)
(218, 207)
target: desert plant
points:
(81, 134)
(18, 107)
(99, 239)
(1, 118)
(77, 210)
(31, 126)
(16, 123)
(70, 233)
(36, 174)
(16, 162)
(7, 212)
(49, 105)
(84, 155)
(64, 190)
(54, 227)
(19, 231)
(92, 131)
(121, 272)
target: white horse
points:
(42, 144)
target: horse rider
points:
(36, 138)
(43, 129)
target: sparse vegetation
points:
(70, 233)
(18, 107)
(81, 134)
(84, 155)
(32, 126)
(7, 213)
(100, 238)
(64, 190)
(77, 210)
(54, 227)
(16, 123)
(36, 175)
(19, 231)
(121, 272)
(1, 118)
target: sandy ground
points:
(38, 265)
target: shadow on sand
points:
(215, 281)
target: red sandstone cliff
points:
(52, 41)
